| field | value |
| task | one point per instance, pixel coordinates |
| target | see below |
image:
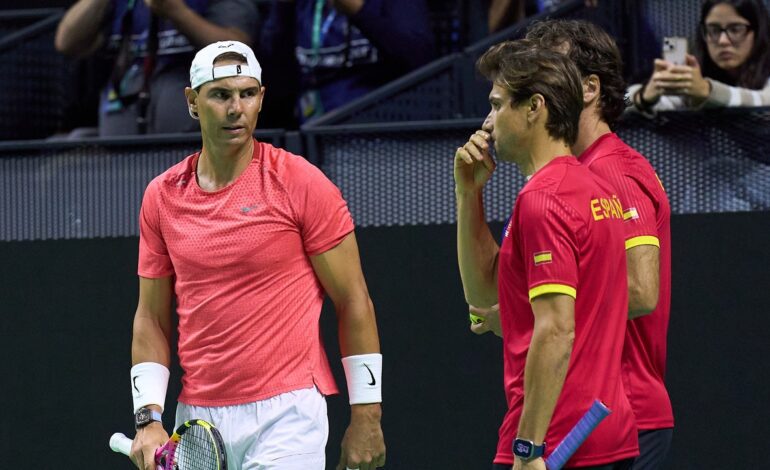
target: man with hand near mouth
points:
(559, 273)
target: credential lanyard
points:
(320, 30)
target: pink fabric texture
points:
(247, 297)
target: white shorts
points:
(286, 432)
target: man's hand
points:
(363, 446)
(147, 440)
(473, 163)
(490, 320)
(534, 464)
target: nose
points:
(235, 109)
(723, 39)
(487, 126)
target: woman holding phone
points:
(731, 66)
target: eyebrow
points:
(232, 90)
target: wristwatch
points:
(527, 450)
(145, 416)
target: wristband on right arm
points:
(149, 382)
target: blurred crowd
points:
(318, 55)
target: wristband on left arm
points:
(363, 373)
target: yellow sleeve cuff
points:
(552, 289)
(643, 240)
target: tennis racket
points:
(577, 435)
(195, 445)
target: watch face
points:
(522, 448)
(143, 416)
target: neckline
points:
(257, 151)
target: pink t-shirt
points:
(248, 299)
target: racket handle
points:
(577, 435)
(120, 443)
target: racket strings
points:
(196, 450)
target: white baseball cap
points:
(202, 69)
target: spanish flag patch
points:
(543, 257)
(630, 214)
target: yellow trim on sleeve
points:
(552, 289)
(643, 240)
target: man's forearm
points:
(643, 273)
(477, 251)
(150, 342)
(78, 33)
(357, 327)
(544, 376)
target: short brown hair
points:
(525, 69)
(594, 52)
(230, 55)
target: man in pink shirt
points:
(247, 238)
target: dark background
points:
(68, 307)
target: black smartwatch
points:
(145, 416)
(527, 450)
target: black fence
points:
(390, 174)
(708, 161)
(90, 188)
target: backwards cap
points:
(202, 69)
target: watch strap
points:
(156, 416)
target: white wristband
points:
(149, 381)
(363, 373)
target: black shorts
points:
(619, 465)
(653, 449)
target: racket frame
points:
(164, 456)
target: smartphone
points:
(675, 50)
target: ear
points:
(592, 89)
(192, 102)
(262, 90)
(536, 107)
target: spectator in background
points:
(731, 66)
(347, 48)
(152, 43)
(504, 13)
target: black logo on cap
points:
(238, 69)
